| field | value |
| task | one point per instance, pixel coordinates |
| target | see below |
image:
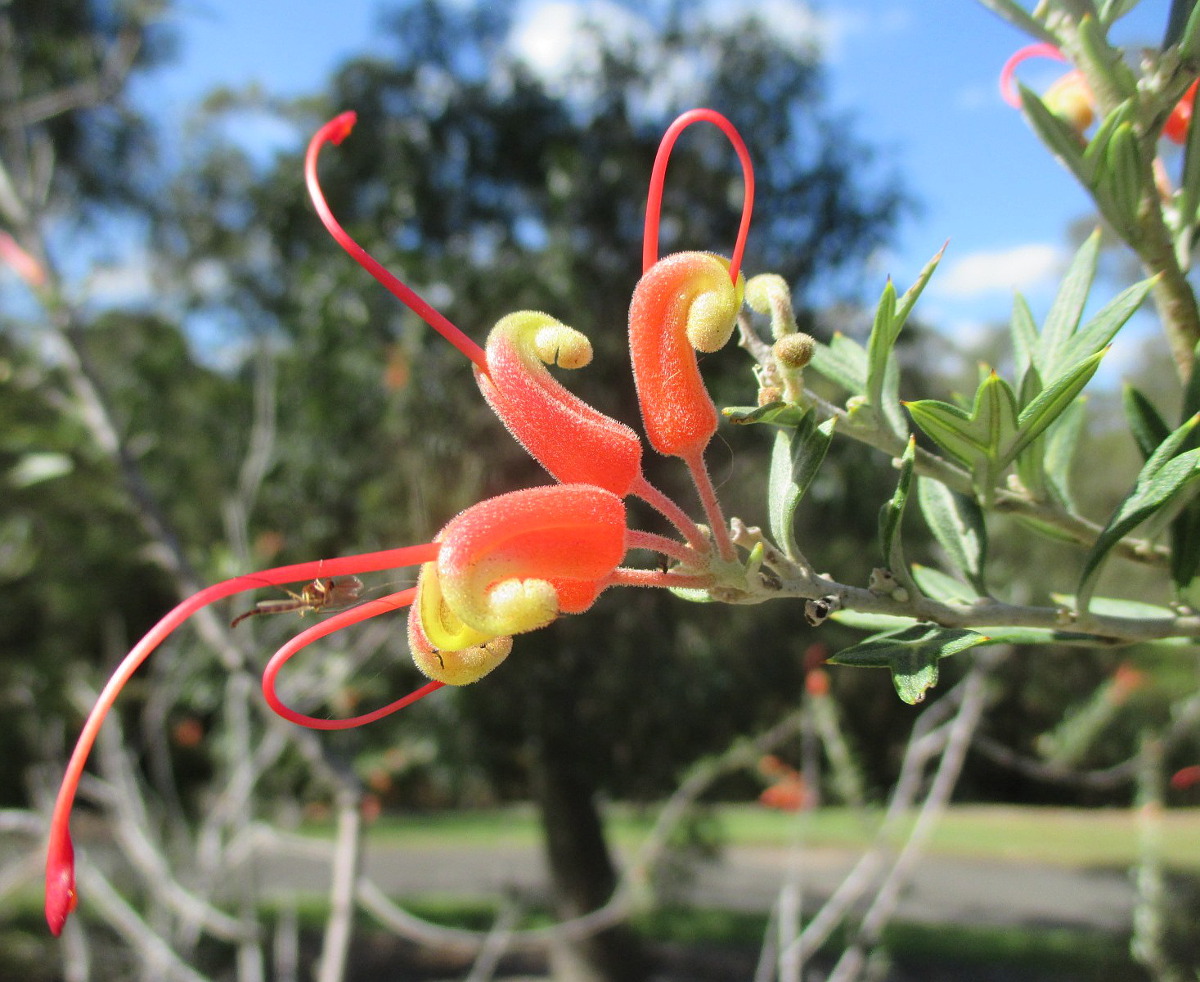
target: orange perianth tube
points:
(684, 301)
(573, 441)
(60, 866)
(503, 562)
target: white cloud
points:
(557, 39)
(561, 42)
(792, 22)
(988, 271)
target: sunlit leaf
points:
(842, 361)
(891, 515)
(912, 654)
(778, 413)
(1067, 310)
(1162, 480)
(957, 523)
(1147, 426)
(796, 457)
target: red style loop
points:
(658, 178)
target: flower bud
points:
(683, 302)
(794, 350)
(574, 442)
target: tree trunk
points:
(581, 868)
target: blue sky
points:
(918, 79)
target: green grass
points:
(1060, 836)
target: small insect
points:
(320, 594)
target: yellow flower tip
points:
(765, 291)
(1071, 100)
(557, 344)
(517, 606)
(713, 312)
(794, 350)
(454, 667)
(441, 629)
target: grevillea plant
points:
(1006, 453)
(514, 563)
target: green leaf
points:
(1149, 429)
(1113, 10)
(1067, 309)
(1189, 39)
(936, 584)
(1024, 336)
(1020, 18)
(912, 654)
(957, 524)
(1057, 134)
(1163, 480)
(1101, 329)
(692, 595)
(1191, 391)
(34, 468)
(1116, 607)
(1062, 442)
(977, 439)
(842, 361)
(1185, 545)
(891, 515)
(1123, 174)
(777, 413)
(796, 457)
(1052, 402)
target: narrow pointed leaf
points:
(1024, 336)
(911, 295)
(1052, 402)
(1067, 309)
(1149, 429)
(891, 515)
(1158, 486)
(1020, 18)
(912, 654)
(1113, 10)
(842, 361)
(1060, 139)
(936, 584)
(796, 457)
(1189, 41)
(1101, 329)
(957, 524)
(776, 413)
(1062, 442)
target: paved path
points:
(749, 878)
